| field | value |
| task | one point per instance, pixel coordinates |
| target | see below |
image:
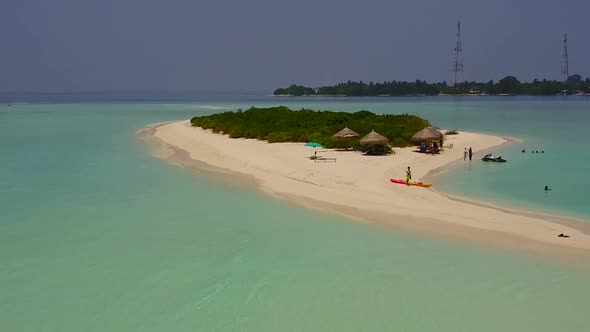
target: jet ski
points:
(496, 159)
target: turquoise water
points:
(97, 235)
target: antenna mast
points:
(458, 63)
(565, 68)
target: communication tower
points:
(565, 71)
(458, 62)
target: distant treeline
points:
(280, 124)
(509, 85)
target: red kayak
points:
(419, 184)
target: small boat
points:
(495, 159)
(419, 184)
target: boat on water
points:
(495, 159)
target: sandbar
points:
(358, 186)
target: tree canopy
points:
(280, 124)
(508, 85)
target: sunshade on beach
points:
(427, 134)
(313, 144)
(346, 133)
(374, 138)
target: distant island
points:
(509, 85)
(280, 124)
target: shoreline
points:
(553, 215)
(437, 95)
(313, 185)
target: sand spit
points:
(358, 186)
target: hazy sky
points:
(90, 45)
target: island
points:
(269, 150)
(508, 85)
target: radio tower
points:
(458, 63)
(565, 67)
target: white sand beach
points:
(358, 186)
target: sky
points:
(249, 45)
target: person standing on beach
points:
(465, 154)
(470, 153)
(408, 176)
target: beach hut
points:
(374, 138)
(346, 133)
(427, 134)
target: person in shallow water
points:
(470, 153)
(547, 188)
(408, 176)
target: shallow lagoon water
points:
(98, 235)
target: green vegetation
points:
(280, 124)
(509, 85)
(295, 90)
(452, 132)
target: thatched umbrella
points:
(427, 134)
(373, 138)
(346, 133)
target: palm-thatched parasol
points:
(373, 138)
(346, 133)
(427, 134)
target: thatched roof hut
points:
(374, 138)
(346, 133)
(427, 134)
